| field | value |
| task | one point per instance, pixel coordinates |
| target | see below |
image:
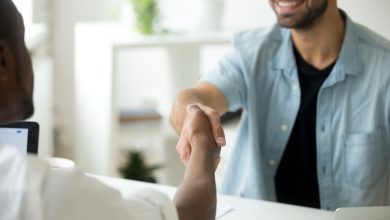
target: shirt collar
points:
(348, 61)
(284, 58)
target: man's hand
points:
(192, 124)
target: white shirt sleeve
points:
(21, 185)
(29, 190)
(73, 195)
(157, 200)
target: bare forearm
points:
(205, 94)
(182, 100)
(202, 203)
(196, 195)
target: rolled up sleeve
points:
(228, 77)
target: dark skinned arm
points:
(196, 196)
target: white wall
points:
(243, 14)
(65, 14)
(43, 99)
(373, 14)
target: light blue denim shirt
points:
(353, 116)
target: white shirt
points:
(30, 190)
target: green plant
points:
(146, 12)
(137, 169)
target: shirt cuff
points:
(160, 201)
(230, 91)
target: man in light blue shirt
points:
(332, 137)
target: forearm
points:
(182, 100)
(205, 94)
(196, 195)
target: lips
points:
(287, 7)
(286, 4)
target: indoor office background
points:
(102, 89)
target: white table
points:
(243, 209)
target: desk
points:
(243, 209)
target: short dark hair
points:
(8, 22)
(9, 29)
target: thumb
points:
(216, 126)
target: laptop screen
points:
(22, 135)
(16, 137)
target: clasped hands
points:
(202, 132)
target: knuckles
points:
(197, 132)
(197, 123)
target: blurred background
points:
(106, 72)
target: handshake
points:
(199, 150)
(201, 134)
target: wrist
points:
(205, 154)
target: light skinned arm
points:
(212, 103)
(196, 196)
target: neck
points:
(320, 45)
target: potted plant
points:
(137, 169)
(146, 12)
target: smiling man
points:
(314, 90)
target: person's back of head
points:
(16, 75)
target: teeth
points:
(286, 4)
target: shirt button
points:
(323, 128)
(295, 87)
(284, 127)
(272, 163)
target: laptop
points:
(24, 135)
(363, 213)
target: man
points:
(29, 190)
(314, 90)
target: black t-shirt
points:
(296, 177)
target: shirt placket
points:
(284, 128)
(324, 149)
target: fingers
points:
(183, 148)
(216, 126)
(200, 120)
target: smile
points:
(287, 4)
(287, 7)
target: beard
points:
(305, 18)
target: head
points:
(300, 14)
(16, 75)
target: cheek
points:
(27, 74)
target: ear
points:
(7, 61)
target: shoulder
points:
(371, 40)
(257, 45)
(256, 38)
(23, 178)
(17, 165)
(253, 35)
